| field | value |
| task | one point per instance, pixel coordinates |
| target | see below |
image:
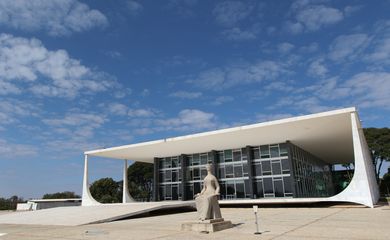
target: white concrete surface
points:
(87, 199)
(73, 216)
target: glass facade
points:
(313, 177)
(267, 171)
(170, 178)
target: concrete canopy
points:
(327, 135)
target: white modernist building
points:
(288, 160)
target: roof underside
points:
(327, 135)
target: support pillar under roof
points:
(126, 197)
(87, 199)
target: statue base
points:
(210, 225)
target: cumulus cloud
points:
(12, 111)
(56, 17)
(13, 150)
(317, 68)
(27, 64)
(134, 7)
(186, 94)
(229, 13)
(285, 47)
(218, 78)
(236, 34)
(141, 113)
(311, 16)
(188, 120)
(347, 46)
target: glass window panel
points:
(256, 153)
(259, 189)
(283, 149)
(168, 191)
(175, 192)
(238, 170)
(161, 163)
(162, 192)
(266, 166)
(189, 176)
(268, 186)
(243, 154)
(168, 176)
(175, 162)
(274, 151)
(237, 156)
(197, 187)
(245, 168)
(195, 159)
(285, 164)
(276, 169)
(230, 188)
(203, 173)
(196, 173)
(168, 163)
(161, 177)
(222, 189)
(174, 176)
(222, 172)
(240, 189)
(229, 171)
(221, 158)
(189, 160)
(247, 188)
(258, 171)
(278, 184)
(203, 159)
(190, 191)
(264, 151)
(228, 155)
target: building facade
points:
(282, 161)
(280, 170)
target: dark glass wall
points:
(266, 171)
(312, 176)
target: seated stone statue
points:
(207, 200)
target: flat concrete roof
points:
(327, 135)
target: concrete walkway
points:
(73, 216)
(325, 223)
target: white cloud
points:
(285, 47)
(348, 46)
(15, 150)
(186, 94)
(134, 7)
(317, 68)
(229, 13)
(311, 16)
(236, 34)
(8, 88)
(188, 120)
(221, 100)
(141, 113)
(219, 78)
(11, 111)
(117, 109)
(56, 17)
(370, 89)
(28, 63)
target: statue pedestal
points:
(211, 225)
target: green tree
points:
(378, 140)
(106, 190)
(140, 177)
(60, 195)
(385, 184)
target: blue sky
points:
(80, 75)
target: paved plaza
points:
(337, 222)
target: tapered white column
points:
(126, 198)
(363, 188)
(87, 199)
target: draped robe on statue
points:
(207, 200)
